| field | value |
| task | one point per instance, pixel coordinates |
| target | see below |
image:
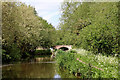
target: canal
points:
(34, 69)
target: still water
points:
(42, 69)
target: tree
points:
(23, 29)
(92, 26)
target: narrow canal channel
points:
(42, 69)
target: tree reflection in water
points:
(33, 70)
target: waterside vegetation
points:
(92, 28)
(87, 65)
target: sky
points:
(47, 9)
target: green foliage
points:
(92, 26)
(99, 40)
(68, 60)
(43, 52)
(23, 27)
(73, 51)
(102, 35)
(15, 53)
(11, 54)
(48, 32)
(5, 56)
(63, 58)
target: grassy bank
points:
(87, 65)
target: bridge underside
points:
(64, 48)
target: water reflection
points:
(57, 76)
(33, 70)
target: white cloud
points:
(47, 17)
(46, 8)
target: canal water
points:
(39, 69)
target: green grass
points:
(108, 64)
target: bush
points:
(11, 53)
(43, 52)
(73, 51)
(67, 60)
(94, 66)
(15, 53)
(5, 56)
(100, 39)
(63, 58)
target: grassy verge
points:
(87, 65)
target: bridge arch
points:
(63, 47)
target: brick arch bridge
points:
(63, 46)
